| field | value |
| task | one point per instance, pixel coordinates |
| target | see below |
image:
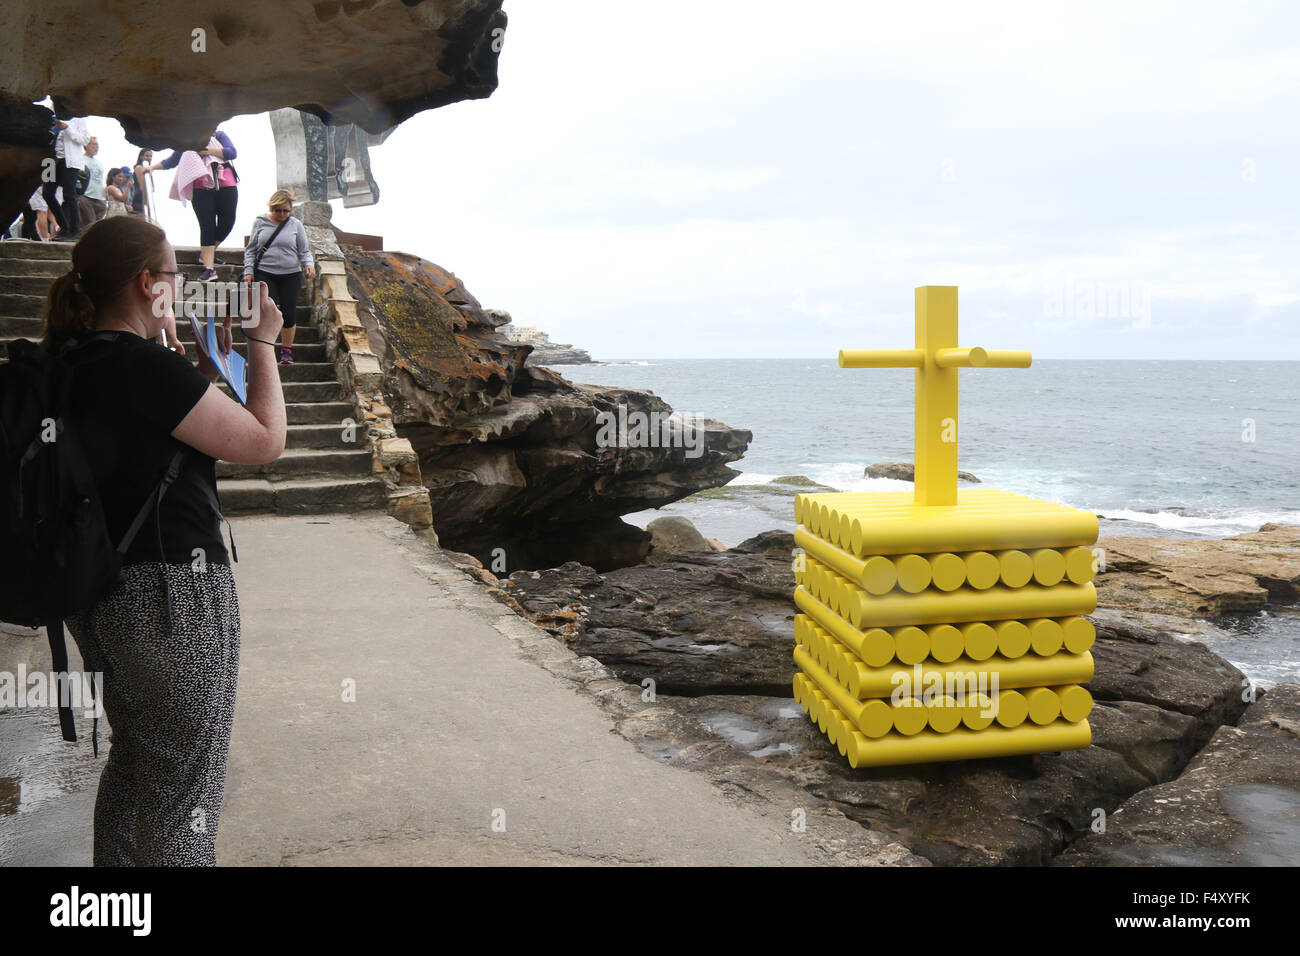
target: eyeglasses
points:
(281, 210)
(180, 277)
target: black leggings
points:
(215, 211)
(284, 291)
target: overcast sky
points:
(718, 178)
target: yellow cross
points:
(936, 359)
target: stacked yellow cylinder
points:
(952, 632)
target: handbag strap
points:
(257, 259)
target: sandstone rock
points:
(715, 544)
(331, 58)
(1201, 578)
(670, 535)
(24, 141)
(140, 65)
(905, 471)
(1237, 803)
(509, 451)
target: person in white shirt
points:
(95, 190)
(69, 158)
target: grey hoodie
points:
(289, 253)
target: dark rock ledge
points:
(712, 631)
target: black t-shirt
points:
(126, 404)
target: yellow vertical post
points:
(936, 397)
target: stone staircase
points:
(320, 471)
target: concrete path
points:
(458, 748)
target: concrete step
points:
(301, 372)
(304, 336)
(320, 413)
(303, 368)
(21, 303)
(31, 327)
(23, 249)
(303, 354)
(312, 496)
(327, 436)
(304, 463)
(302, 392)
(9, 266)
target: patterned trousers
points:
(169, 696)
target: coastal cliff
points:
(545, 352)
(518, 461)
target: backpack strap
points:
(59, 662)
(173, 472)
(54, 629)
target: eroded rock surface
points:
(710, 634)
(169, 72)
(1202, 577)
(1237, 803)
(512, 454)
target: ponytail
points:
(68, 311)
(105, 261)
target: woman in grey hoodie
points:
(279, 258)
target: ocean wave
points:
(1210, 523)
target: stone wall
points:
(334, 311)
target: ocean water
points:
(1160, 449)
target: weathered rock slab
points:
(1237, 803)
(1194, 577)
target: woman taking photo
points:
(278, 254)
(166, 638)
(214, 203)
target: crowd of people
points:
(82, 192)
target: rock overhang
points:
(169, 73)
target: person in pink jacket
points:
(215, 200)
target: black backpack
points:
(83, 181)
(56, 558)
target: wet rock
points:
(1144, 665)
(1237, 803)
(713, 633)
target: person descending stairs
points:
(326, 465)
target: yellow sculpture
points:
(951, 625)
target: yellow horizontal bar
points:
(928, 746)
(1007, 358)
(961, 358)
(881, 358)
(865, 680)
(981, 531)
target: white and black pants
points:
(169, 696)
(67, 216)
